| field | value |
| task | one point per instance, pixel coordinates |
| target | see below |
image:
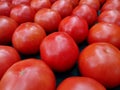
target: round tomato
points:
(59, 51)
(8, 56)
(22, 13)
(48, 19)
(110, 5)
(110, 16)
(92, 3)
(17, 2)
(63, 7)
(38, 4)
(7, 28)
(27, 38)
(80, 83)
(86, 12)
(76, 27)
(105, 32)
(101, 61)
(29, 74)
(5, 8)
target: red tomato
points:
(76, 27)
(48, 19)
(86, 12)
(59, 51)
(110, 5)
(6, 1)
(101, 61)
(63, 7)
(7, 28)
(110, 16)
(74, 2)
(8, 56)
(92, 3)
(5, 8)
(27, 38)
(22, 13)
(17, 2)
(52, 1)
(29, 74)
(105, 32)
(80, 83)
(38, 4)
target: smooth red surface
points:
(80, 83)
(29, 74)
(101, 61)
(28, 37)
(59, 51)
(8, 56)
(76, 27)
(17, 2)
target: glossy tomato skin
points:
(74, 2)
(29, 74)
(59, 51)
(110, 5)
(105, 32)
(76, 27)
(8, 56)
(17, 2)
(86, 12)
(22, 13)
(38, 4)
(7, 28)
(27, 38)
(110, 16)
(64, 7)
(52, 1)
(48, 19)
(5, 8)
(80, 83)
(92, 3)
(101, 61)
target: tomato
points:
(22, 13)
(86, 12)
(38, 4)
(5, 8)
(110, 5)
(8, 56)
(27, 38)
(17, 2)
(29, 74)
(105, 32)
(48, 19)
(63, 7)
(6, 1)
(92, 3)
(101, 61)
(7, 28)
(52, 1)
(59, 51)
(80, 83)
(110, 16)
(76, 27)
(74, 2)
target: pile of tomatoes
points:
(59, 44)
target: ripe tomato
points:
(92, 3)
(110, 16)
(22, 13)
(59, 51)
(7, 28)
(80, 83)
(6, 1)
(110, 5)
(5, 8)
(63, 7)
(27, 38)
(48, 19)
(101, 61)
(29, 74)
(105, 32)
(74, 2)
(52, 1)
(17, 2)
(8, 56)
(86, 12)
(76, 27)
(38, 4)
